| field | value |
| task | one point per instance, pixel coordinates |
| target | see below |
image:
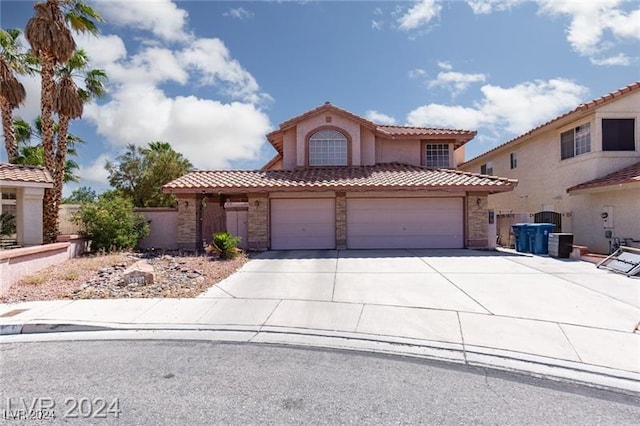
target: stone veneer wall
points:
(477, 222)
(258, 222)
(187, 222)
(341, 221)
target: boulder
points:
(140, 273)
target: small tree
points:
(111, 223)
(140, 173)
(81, 195)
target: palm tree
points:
(69, 102)
(33, 154)
(12, 92)
(49, 34)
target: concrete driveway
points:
(466, 281)
(537, 305)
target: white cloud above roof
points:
(162, 17)
(419, 15)
(239, 13)
(379, 118)
(514, 109)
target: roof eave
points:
(593, 189)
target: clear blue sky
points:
(213, 77)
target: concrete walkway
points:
(552, 317)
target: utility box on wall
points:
(607, 217)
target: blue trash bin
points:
(522, 240)
(540, 241)
(530, 233)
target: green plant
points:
(111, 223)
(225, 244)
(7, 224)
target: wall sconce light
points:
(256, 203)
(478, 201)
(186, 204)
(204, 203)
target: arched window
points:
(328, 148)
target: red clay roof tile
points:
(629, 174)
(379, 177)
(21, 173)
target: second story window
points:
(514, 160)
(487, 168)
(618, 134)
(437, 155)
(328, 148)
(575, 141)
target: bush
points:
(225, 244)
(111, 223)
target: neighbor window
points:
(328, 148)
(575, 141)
(618, 134)
(487, 168)
(437, 155)
(514, 160)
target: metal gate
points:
(549, 217)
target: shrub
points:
(111, 223)
(225, 244)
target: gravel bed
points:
(176, 274)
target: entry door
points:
(303, 224)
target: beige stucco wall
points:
(544, 178)
(398, 151)
(588, 225)
(163, 228)
(367, 147)
(29, 215)
(290, 151)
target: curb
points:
(582, 374)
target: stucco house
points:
(580, 170)
(341, 181)
(21, 194)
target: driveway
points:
(466, 281)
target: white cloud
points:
(484, 7)
(210, 132)
(456, 82)
(211, 58)
(95, 173)
(239, 13)
(620, 59)
(162, 17)
(445, 65)
(591, 22)
(377, 25)
(514, 109)
(379, 118)
(419, 15)
(418, 72)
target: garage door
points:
(405, 223)
(303, 224)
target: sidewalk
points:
(328, 307)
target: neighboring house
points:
(341, 181)
(580, 171)
(22, 191)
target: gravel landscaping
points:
(176, 274)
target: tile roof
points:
(629, 174)
(390, 176)
(21, 173)
(422, 131)
(582, 108)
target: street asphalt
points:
(559, 318)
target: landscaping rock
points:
(140, 273)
